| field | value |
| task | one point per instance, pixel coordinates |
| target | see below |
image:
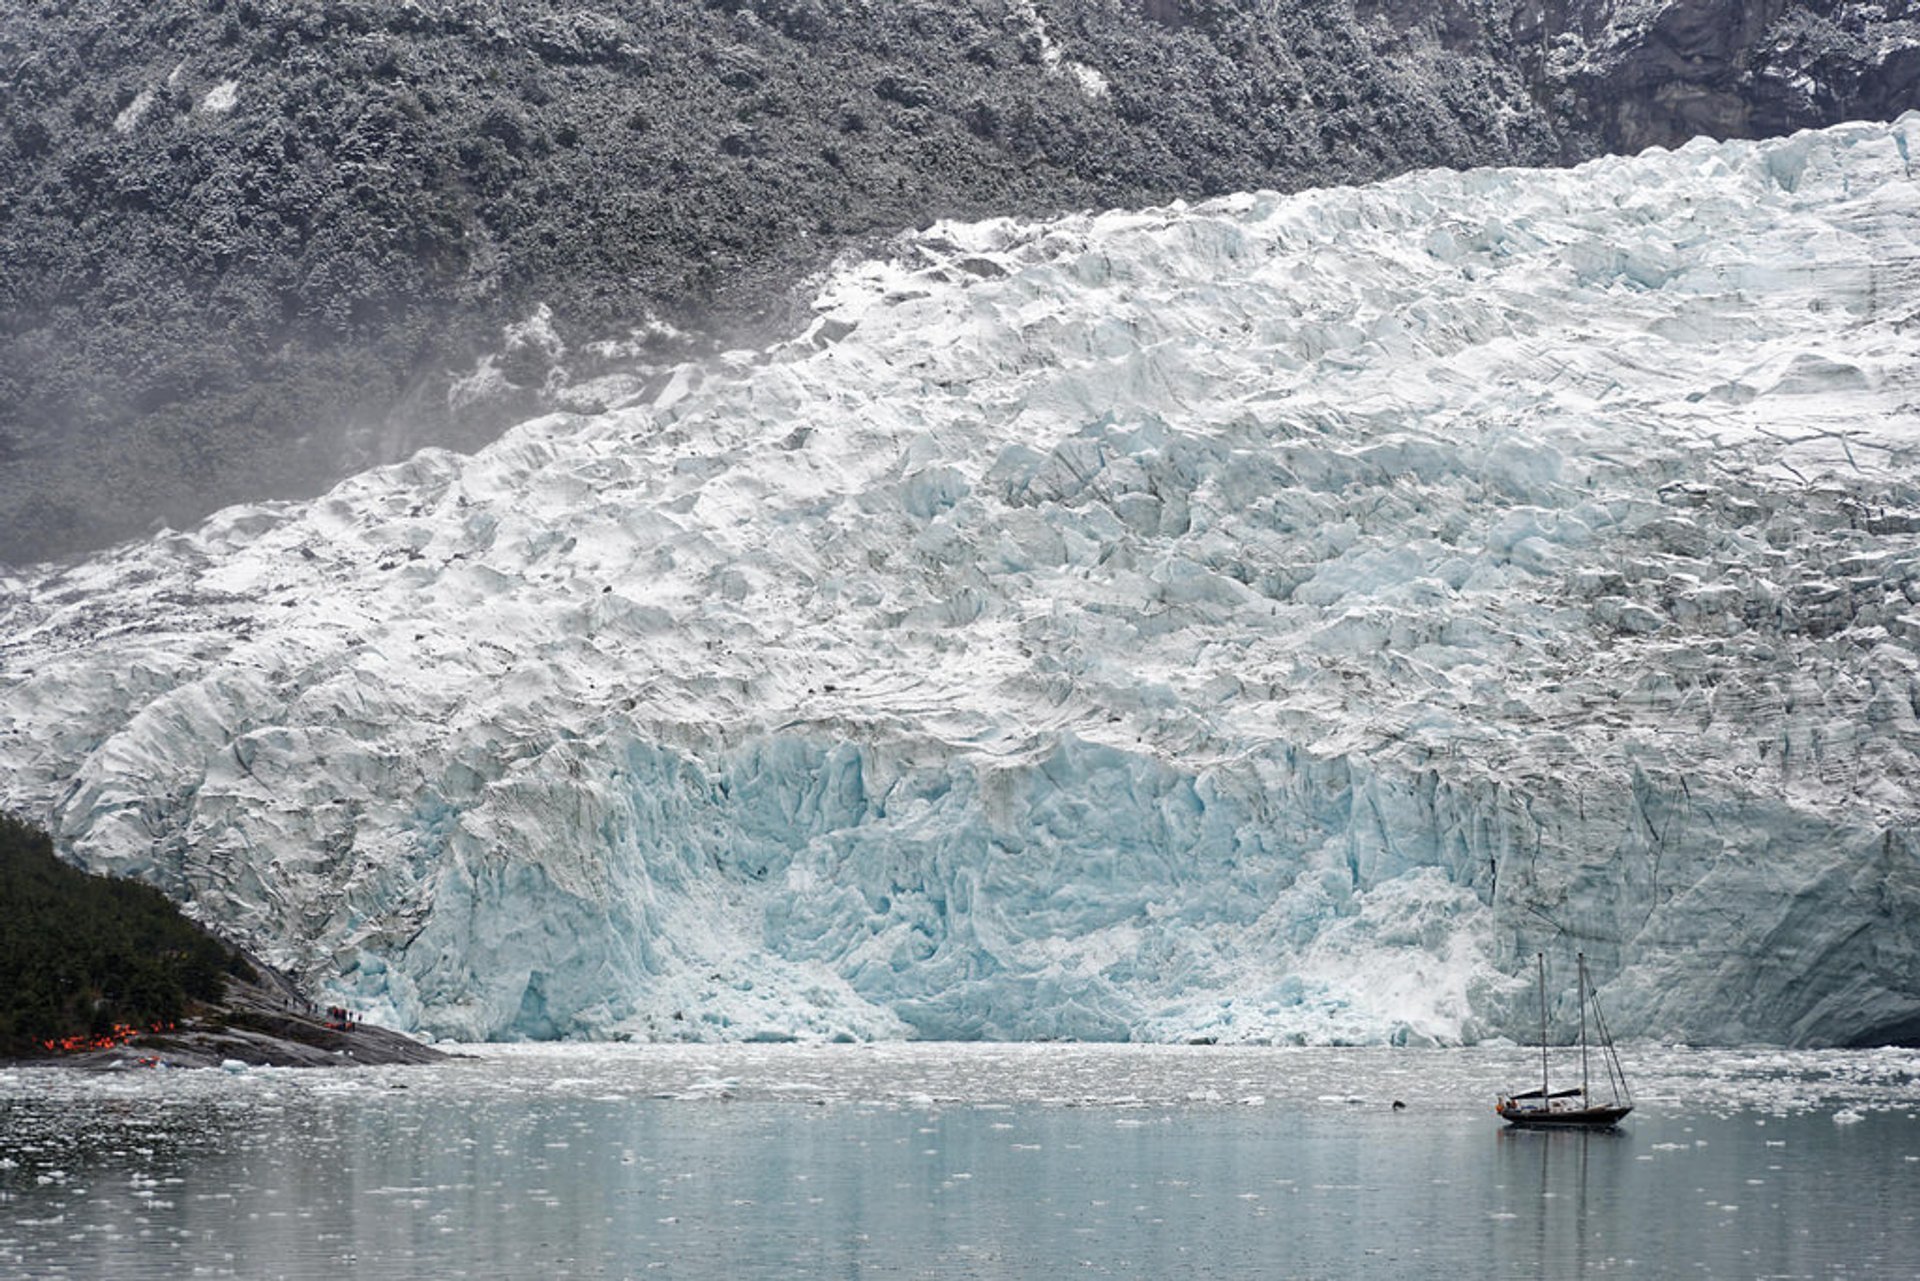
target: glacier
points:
(1271, 619)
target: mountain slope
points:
(256, 245)
(1272, 618)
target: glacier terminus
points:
(1272, 619)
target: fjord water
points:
(959, 1161)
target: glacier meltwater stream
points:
(1266, 620)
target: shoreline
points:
(268, 1023)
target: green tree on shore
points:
(81, 954)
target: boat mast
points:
(1616, 1074)
(1585, 1096)
(1541, 958)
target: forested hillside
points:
(253, 245)
(82, 956)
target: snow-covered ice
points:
(1268, 619)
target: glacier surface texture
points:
(1272, 619)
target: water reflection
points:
(1575, 1177)
(932, 1163)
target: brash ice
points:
(1273, 618)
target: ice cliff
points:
(1273, 618)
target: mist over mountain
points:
(251, 246)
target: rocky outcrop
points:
(263, 1022)
(1625, 76)
(253, 246)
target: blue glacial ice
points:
(1269, 619)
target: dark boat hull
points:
(1566, 1119)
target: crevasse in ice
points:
(1275, 618)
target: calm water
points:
(959, 1161)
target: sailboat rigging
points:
(1574, 1106)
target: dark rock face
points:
(1630, 76)
(251, 245)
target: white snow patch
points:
(130, 114)
(1088, 80)
(221, 98)
(534, 336)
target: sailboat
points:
(1573, 1107)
